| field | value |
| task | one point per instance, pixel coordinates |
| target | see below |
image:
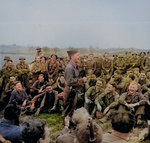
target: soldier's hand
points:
(67, 120)
(34, 98)
(85, 79)
(24, 103)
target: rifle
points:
(42, 104)
(92, 138)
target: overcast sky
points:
(76, 23)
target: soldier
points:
(19, 95)
(6, 58)
(36, 69)
(38, 86)
(44, 67)
(91, 95)
(6, 72)
(146, 62)
(72, 82)
(38, 51)
(91, 79)
(115, 58)
(129, 79)
(46, 99)
(53, 67)
(136, 62)
(148, 75)
(127, 59)
(59, 86)
(120, 65)
(144, 82)
(142, 56)
(106, 101)
(85, 59)
(91, 64)
(99, 65)
(134, 102)
(107, 67)
(119, 81)
(24, 68)
(8, 89)
(122, 125)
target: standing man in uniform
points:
(72, 82)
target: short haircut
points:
(41, 75)
(123, 121)
(54, 55)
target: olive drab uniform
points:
(105, 99)
(120, 65)
(53, 68)
(91, 64)
(107, 68)
(98, 67)
(24, 67)
(36, 70)
(90, 97)
(5, 74)
(7, 92)
(146, 64)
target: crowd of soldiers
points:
(40, 89)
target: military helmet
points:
(120, 56)
(134, 54)
(115, 55)
(38, 48)
(6, 58)
(22, 58)
(143, 53)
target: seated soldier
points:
(90, 78)
(59, 86)
(91, 95)
(122, 125)
(8, 89)
(119, 81)
(38, 86)
(19, 96)
(144, 82)
(46, 100)
(133, 101)
(107, 101)
(129, 79)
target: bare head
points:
(133, 87)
